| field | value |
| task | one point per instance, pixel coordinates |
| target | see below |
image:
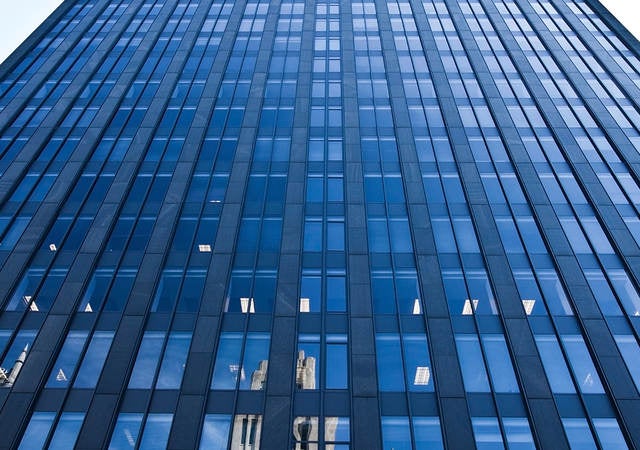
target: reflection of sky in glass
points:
(66, 431)
(37, 430)
(125, 434)
(215, 432)
(156, 431)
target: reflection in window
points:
(174, 360)
(65, 365)
(499, 362)
(96, 290)
(156, 431)
(16, 357)
(308, 433)
(582, 365)
(427, 433)
(252, 373)
(215, 432)
(225, 371)
(36, 433)
(631, 354)
(246, 432)
(486, 432)
(67, 431)
(308, 362)
(389, 360)
(579, 434)
(311, 293)
(609, 434)
(25, 291)
(474, 373)
(419, 376)
(126, 432)
(147, 361)
(336, 376)
(395, 433)
(243, 299)
(336, 294)
(93, 361)
(554, 364)
(518, 433)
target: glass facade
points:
(321, 224)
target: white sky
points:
(20, 17)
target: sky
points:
(20, 17)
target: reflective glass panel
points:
(126, 432)
(67, 431)
(215, 432)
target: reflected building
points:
(305, 371)
(331, 224)
(246, 432)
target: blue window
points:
(147, 360)
(487, 433)
(174, 360)
(93, 361)
(389, 359)
(65, 365)
(395, 433)
(578, 433)
(427, 433)
(156, 431)
(67, 431)
(474, 373)
(126, 432)
(37, 431)
(215, 432)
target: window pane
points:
(246, 431)
(336, 366)
(416, 354)
(335, 236)
(578, 434)
(37, 431)
(156, 431)
(253, 374)
(582, 365)
(518, 433)
(336, 294)
(308, 363)
(65, 365)
(336, 429)
(609, 434)
(147, 360)
(225, 371)
(487, 433)
(500, 368)
(554, 365)
(215, 432)
(67, 431)
(389, 359)
(631, 354)
(305, 429)
(427, 433)
(174, 360)
(18, 352)
(93, 361)
(395, 433)
(126, 431)
(474, 373)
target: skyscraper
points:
(290, 224)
